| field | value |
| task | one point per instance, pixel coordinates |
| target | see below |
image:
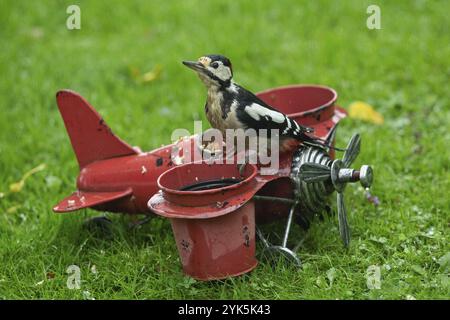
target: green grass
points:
(402, 70)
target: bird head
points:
(213, 70)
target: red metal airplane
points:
(116, 177)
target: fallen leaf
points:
(13, 209)
(364, 111)
(152, 75)
(17, 186)
(50, 275)
(39, 283)
(145, 77)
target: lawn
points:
(402, 70)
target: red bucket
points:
(212, 217)
(310, 105)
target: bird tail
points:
(301, 133)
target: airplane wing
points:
(82, 199)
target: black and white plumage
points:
(230, 106)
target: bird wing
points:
(256, 114)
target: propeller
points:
(352, 150)
(340, 174)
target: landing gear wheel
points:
(273, 252)
(100, 226)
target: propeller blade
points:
(331, 135)
(344, 229)
(352, 151)
(314, 172)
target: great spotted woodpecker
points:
(230, 106)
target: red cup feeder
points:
(212, 217)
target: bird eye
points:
(215, 65)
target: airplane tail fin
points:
(90, 136)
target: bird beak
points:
(194, 65)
